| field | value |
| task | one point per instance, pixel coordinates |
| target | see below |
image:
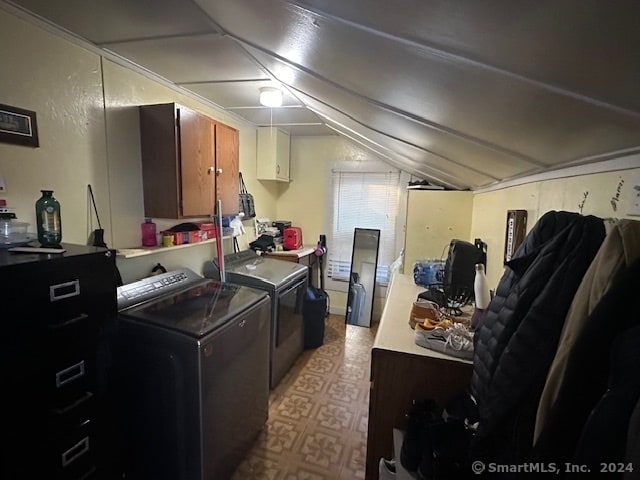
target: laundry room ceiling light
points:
(270, 97)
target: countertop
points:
(394, 333)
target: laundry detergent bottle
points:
(48, 220)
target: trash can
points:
(314, 312)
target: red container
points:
(292, 238)
(207, 229)
(149, 238)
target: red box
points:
(292, 238)
(207, 229)
(194, 236)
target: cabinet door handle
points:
(64, 290)
(69, 374)
(210, 170)
(75, 452)
(219, 171)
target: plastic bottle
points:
(481, 292)
(149, 238)
(48, 220)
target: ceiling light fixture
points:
(270, 97)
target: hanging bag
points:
(246, 205)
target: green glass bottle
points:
(48, 220)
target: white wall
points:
(86, 108)
(490, 208)
(434, 218)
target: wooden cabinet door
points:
(197, 163)
(227, 168)
(159, 144)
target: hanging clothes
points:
(517, 338)
(619, 250)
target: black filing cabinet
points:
(57, 314)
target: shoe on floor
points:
(387, 469)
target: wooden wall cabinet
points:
(273, 154)
(188, 161)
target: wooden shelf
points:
(140, 251)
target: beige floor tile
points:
(317, 426)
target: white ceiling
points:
(462, 93)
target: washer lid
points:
(251, 269)
(199, 309)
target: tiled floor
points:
(317, 427)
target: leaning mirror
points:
(362, 277)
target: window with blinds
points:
(362, 200)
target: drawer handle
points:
(79, 318)
(71, 406)
(70, 374)
(64, 290)
(75, 452)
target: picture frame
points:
(18, 126)
(515, 232)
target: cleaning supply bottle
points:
(482, 296)
(149, 238)
(48, 220)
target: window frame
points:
(369, 166)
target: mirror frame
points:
(350, 294)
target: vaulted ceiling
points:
(463, 93)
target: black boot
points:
(416, 439)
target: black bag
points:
(246, 205)
(314, 311)
(264, 243)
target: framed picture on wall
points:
(515, 232)
(18, 126)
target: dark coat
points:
(590, 416)
(518, 335)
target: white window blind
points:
(362, 200)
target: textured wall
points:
(490, 208)
(434, 218)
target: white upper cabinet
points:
(273, 154)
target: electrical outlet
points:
(3, 187)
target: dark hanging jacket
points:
(588, 421)
(518, 335)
